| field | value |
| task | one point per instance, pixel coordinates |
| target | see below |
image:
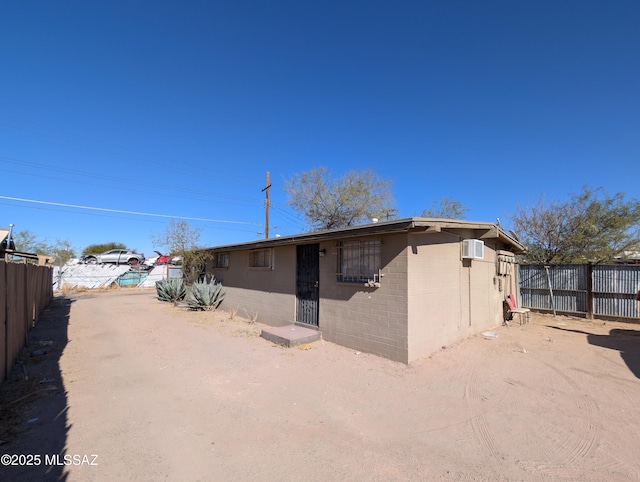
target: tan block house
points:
(399, 289)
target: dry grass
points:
(67, 288)
(14, 394)
(233, 312)
(252, 316)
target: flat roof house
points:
(399, 289)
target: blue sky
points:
(180, 108)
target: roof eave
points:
(427, 225)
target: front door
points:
(307, 284)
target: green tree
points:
(181, 239)
(447, 209)
(328, 202)
(591, 226)
(101, 248)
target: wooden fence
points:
(601, 291)
(25, 291)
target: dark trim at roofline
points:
(418, 225)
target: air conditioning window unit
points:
(472, 249)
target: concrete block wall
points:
(437, 302)
(449, 298)
(268, 292)
(372, 320)
(273, 309)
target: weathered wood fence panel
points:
(25, 290)
(607, 291)
(3, 321)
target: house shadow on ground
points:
(33, 402)
(627, 342)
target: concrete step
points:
(291, 335)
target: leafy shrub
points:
(172, 289)
(206, 296)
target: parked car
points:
(117, 256)
(158, 259)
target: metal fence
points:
(591, 290)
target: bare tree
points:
(446, 208)
(589, 227)
(28, 242)
(60, 252)
(328, 203)
(181, 239)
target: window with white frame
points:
(359, 261)
(261, 258)
(221, 260)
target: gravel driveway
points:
(159, 393)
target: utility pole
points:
(266, 206)
(387, 213)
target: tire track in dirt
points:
(617, 456)
(567, 459)
(478, 421)
(624, 387)
(545, 449)
(585, 404)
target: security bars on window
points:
(359, 261)
(260, 259)
(222, 260)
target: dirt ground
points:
(134, 389)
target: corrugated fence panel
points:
(568, 284)
(612, 288)
(534, 291)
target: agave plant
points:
(205, 296)
(171, 289)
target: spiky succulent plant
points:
(172, 289)
(205, 296)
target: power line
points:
(118, 217)
(136, 213)
(299, 223)
(100, 151)
(12, 160)
(248, 202)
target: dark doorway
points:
(308, 284)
